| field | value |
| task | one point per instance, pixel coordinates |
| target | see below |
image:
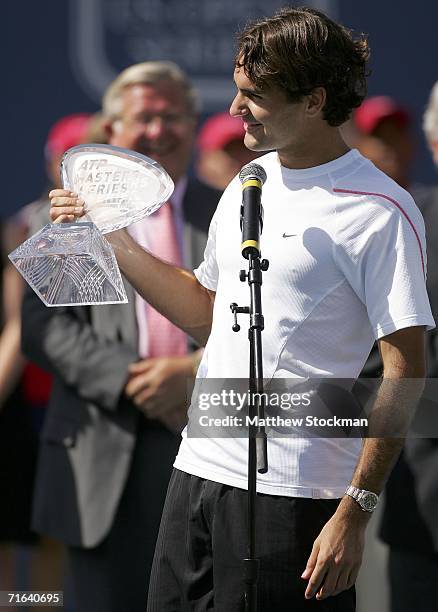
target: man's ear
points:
(316, 101)
(111, 127)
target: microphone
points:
(252, 176)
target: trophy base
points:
(70, 264)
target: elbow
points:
(203, 337)
(416, 369)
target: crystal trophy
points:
(72, 264)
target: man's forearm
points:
(389, 420)
(376, 461)
(174, 292)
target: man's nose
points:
(155, 127)
(238, 106)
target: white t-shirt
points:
(347, 254)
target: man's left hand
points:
(337, 552)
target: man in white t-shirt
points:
(347, 266)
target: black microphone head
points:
(252, 171)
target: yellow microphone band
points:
(249, 243)
(252, 183)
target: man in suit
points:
(109, 438)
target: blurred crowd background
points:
(62, 55)
(59, 59)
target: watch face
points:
(369, 501)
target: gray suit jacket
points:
(89, 432)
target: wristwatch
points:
(367, 500)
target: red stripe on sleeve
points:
(404, 213)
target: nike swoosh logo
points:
(288, 235)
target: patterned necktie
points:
(164, 339)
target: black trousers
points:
(202, 541)
(114, 576)
(413, 578)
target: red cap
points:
(67, 132)
(218, 131)
(375, 110)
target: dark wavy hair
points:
(299, 49)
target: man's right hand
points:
(66, 206)
(155, 280)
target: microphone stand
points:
(257, 441)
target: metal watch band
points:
(367, 500)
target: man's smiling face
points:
(271, 121)
(155, 120)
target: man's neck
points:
(324, 146)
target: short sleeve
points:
(383, 256)
(207, 272)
